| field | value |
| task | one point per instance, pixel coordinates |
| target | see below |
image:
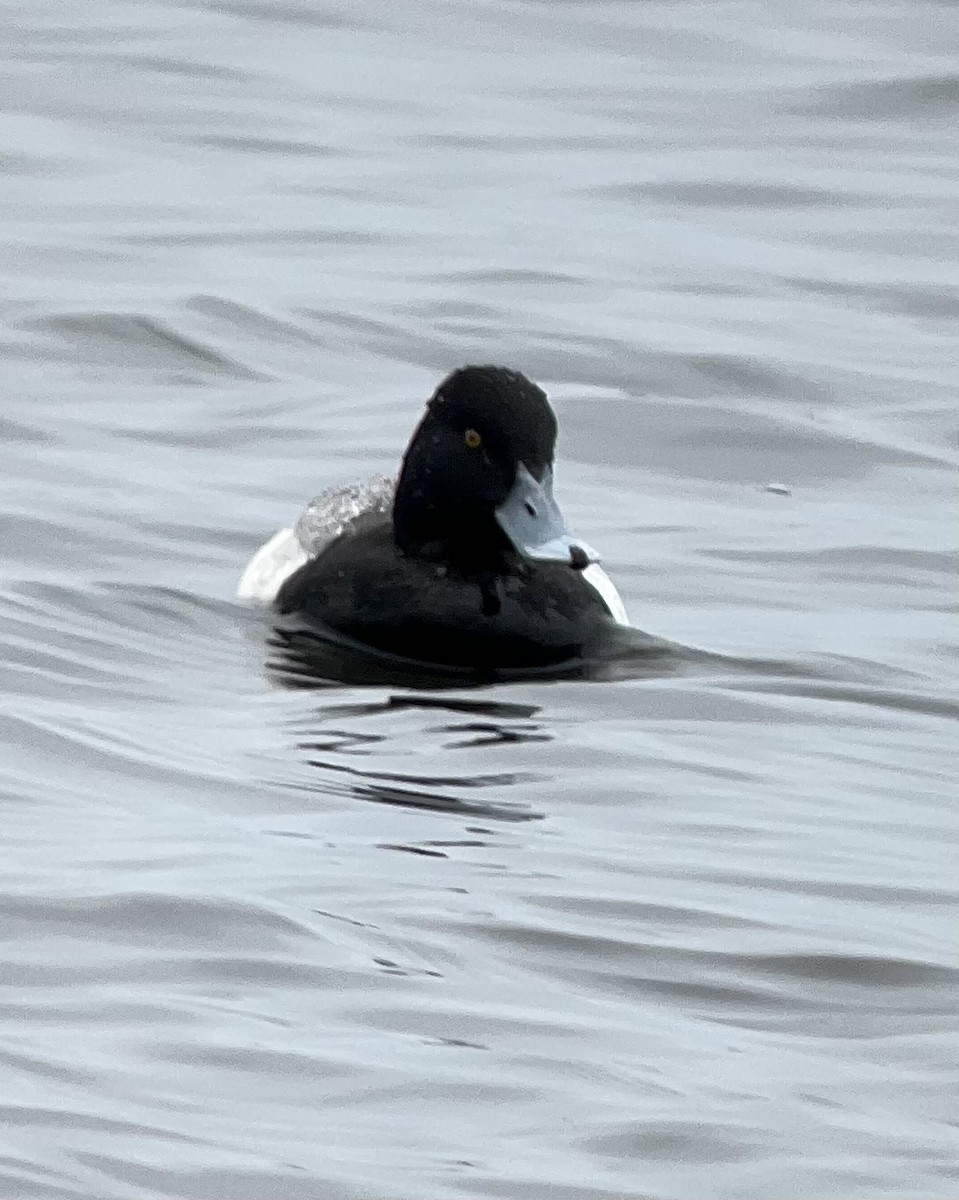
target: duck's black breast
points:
(363, 587)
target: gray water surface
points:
(690, 936)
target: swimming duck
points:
(465, 562)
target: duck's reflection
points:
(314, 658)
(385, 731)
(387, 734)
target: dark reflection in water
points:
(319, 657)
(501, 724)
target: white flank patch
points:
(270, 566)
(597, 579)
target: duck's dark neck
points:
(433, 520)
(465, 538)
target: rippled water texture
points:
(688, 936)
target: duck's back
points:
(363, 587)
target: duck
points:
(464, 561)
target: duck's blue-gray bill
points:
(530, 518)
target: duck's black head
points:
(476, 482)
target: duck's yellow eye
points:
(472, 439)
